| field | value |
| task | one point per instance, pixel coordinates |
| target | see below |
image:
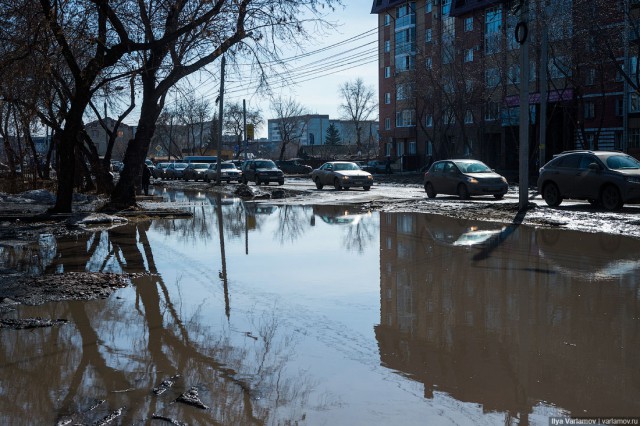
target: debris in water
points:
(28, 323)
(166, 384)
(191, 397)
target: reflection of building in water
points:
(514, 329)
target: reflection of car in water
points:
(337, 215)
(463, 233)
(257, 208)
(475, 238)
(594, 256)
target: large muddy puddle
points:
(324, 315)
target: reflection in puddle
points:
(326, 315)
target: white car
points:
(341, 174)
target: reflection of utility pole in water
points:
(223, 256)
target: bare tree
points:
(201, 33)
(290, 123)
(359, 105)
(234, 122)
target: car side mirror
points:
(594, 166)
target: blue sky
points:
(343, 55)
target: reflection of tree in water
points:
(292, 223)
(358, 236)
(112, 352)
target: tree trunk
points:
(124, 194)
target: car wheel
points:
(431, 192)
(551, 195)
(336, 184)
(463, 192)
(610, 198)
(281, 182)
(498, 196)
(206, 179)
(319, 185)
(366, 188)
(244, 180)
(258, 180)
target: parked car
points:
(116, 166)
(607, 178)
(228, 172)
(174, 170)
(464, 178)
(376, 166)
(294, 166)
(195, 171)
(158, 171)
(341, 174)
(261, 171)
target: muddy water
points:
(321, 315)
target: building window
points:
(492, 77)
(387, 123)
(590, 79)
(468, 86)
(492, 111)
(428, 63)
(492, 30)
(387, 72)
(514, 74)
(619, 107)
(387, 20)
(387, 98)
(428, 122)
(468, 24)
(387, 46)
(389, 149)
(405, 63)
(634, 138)
(589, 110)
(406, 118)
(428, 35)
(560, 67)
(400, 149)
(428, 7)
(413, 148)
(468, 55)
(468, 117)
(634, 102)
(404, 91)
(448, 117)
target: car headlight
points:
(633, 179)
(472, 180)
(345, 177)
(370, 177)
(504, 179)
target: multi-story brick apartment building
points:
(450, 76)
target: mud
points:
(38, 290)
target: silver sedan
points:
(341, 174)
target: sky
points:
(344, 54)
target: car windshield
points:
(345, 166)
(265, 165)
(619, 162)
(472, 167)
(227, 166)
(201, 166)
(179, 165)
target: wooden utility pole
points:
(220, 112)
(522, 36)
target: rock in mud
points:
(191, 397)
(165, 385)
(28, 323)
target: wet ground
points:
(324, 313)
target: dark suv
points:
(294, 166)
(261, 171)
(607, 178)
